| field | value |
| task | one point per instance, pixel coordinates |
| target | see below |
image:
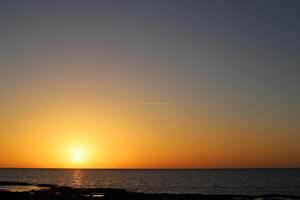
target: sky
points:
(149, 84)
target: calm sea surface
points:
(215, 181)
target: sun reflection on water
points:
(76, 178)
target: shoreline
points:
(49, 191)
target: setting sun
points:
(77, 156)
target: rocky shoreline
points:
(25, 191)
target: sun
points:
(77, 156)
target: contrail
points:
(155, 103)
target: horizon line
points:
(185, 168)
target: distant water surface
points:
(206, 181)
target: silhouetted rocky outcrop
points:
(53, 192)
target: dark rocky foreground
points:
(53, 192)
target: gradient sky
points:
(150, 84)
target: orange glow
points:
(84, 133)
(92, 138)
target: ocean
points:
(205, 181)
